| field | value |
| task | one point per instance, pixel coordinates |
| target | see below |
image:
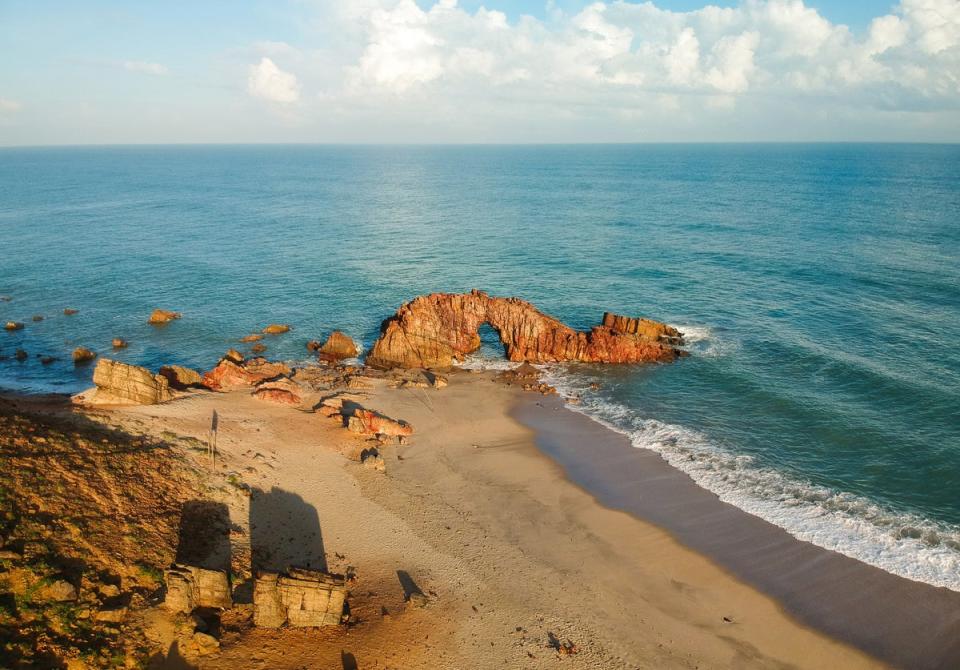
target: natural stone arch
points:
(440, 329)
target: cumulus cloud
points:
(145, 68)
(620, 50)
(269, 82)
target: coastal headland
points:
(435, 498)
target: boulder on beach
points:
(337, 347)
(370, 422)
(276, 329)
(83, 355)
(162, 316)
(13, 325)
(122, 384)
(181, 378)
(282, 390)
(231, 373)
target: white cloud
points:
(7, 105)
(145, 68)
(269, 82)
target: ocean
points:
(818, 286)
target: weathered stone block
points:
(300, 598)
(190, 587)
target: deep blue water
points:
(819, 285)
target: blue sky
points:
(471, 71)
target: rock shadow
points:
(204, 536)
(348, 661)
(172, 660)
(410, 588)
(284, 532)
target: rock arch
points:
(439, 329)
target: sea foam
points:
(899, 542)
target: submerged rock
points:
(440, 329)
(83, 355)
(255, 337)
(119, 343)
(276, 329)
(258, 348)
(162, 316)
(69, 311)
(13, 325)
(21, 355)
(37, 318)
(121, 384)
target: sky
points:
(478, 71)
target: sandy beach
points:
(510, 554)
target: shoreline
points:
(900, 621)
(481, 510)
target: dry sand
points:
(509, 552)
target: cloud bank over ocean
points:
(398, 70)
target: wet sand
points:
(905, 623)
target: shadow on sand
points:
(284, 532)
(204, 537)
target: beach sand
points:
(510, 553)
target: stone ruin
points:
(190, 587)
(298, 598)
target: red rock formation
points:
(232, 374)
(283, 390)
(439, 329)
(368, 422)
(337, 347)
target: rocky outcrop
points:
(162, 316)
(121, 384)
(337, 347)
(190, 587)
(369, 422)
(299, 598)
(440, 329)
(13, 325)
(181, 378)
(231, 373)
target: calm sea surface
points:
(819, 286)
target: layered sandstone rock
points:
(369, 422)
(230, 373)
(299, 598)
(121, 384)
(440, 329)
(337, 347)
(181, 378)
(283, 391)
(162, 316)
(190, 587)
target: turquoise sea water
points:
(819, 286)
